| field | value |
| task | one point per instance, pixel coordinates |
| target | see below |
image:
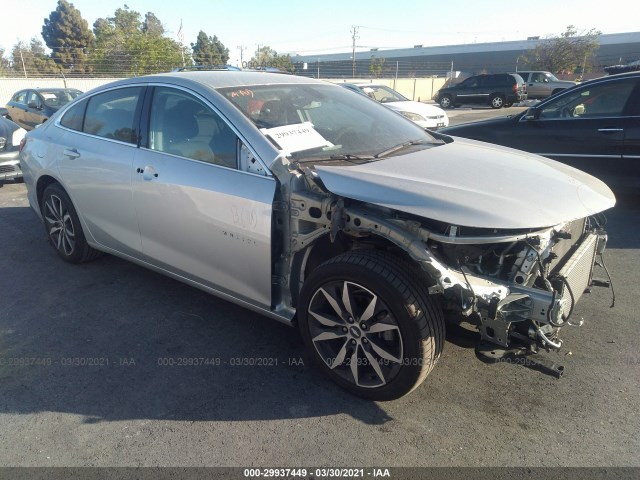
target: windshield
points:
(551, 77)
(57, 98)
(383, 94)
(311, 122)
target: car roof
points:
(45, 89)
(366, 84)
(221, 79)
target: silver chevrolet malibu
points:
(312, 205)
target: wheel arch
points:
(323, 250)
(43, 182)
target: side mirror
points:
(531, 114)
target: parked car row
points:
(320, 208)
(497, 90)
(501, 89)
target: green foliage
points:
(152, 25)
(32, 60)
(67, 34)
(376, 66)
(568, 53)
(126, 45)
(209, 50)
(266, 57)
(4, 64)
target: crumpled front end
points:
(519, 287)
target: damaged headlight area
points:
(519, 287)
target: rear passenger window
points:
(20, 97)
(74, 116)
(112, 114)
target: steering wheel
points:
(566, 113)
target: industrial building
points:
(475, 58)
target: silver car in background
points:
(317, 207)
(11, 135)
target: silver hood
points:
(474, 184)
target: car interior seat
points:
(182, 133)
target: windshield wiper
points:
(343, 156)
(401, 146)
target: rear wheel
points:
(369, 323)
(445, 101)
(497, 101)
(63, 227)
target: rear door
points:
(96, 162)
(201, 217)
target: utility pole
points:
(23, 67)
(242, 48)
(354, 36)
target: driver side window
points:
(606, 100)
(183, 125)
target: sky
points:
(310, 27)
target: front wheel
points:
(445, 101)
(497, 101)
(63, 227)
(369, 323)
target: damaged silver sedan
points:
(319, 208)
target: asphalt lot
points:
(96, 369)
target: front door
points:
(200, 217)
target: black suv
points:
(498, 90)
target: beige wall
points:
(419, 89)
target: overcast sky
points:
(324, 26)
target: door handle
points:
(610, 130)
(148, 172)
(71, 153)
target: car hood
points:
(416, 107)
(474, 184)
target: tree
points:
(376, 66)
(568, 53)
(152, 25)
(4, 64)
(209, 50)
(67, 34)
(31, 60)
(266, 57)
(125, 45)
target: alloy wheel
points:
(355, 334)
(59, 225)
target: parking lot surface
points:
(109, 364)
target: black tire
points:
(446, 101)
(63, 227)
(496, 101)
(388, 318)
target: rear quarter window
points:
(74, 117)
